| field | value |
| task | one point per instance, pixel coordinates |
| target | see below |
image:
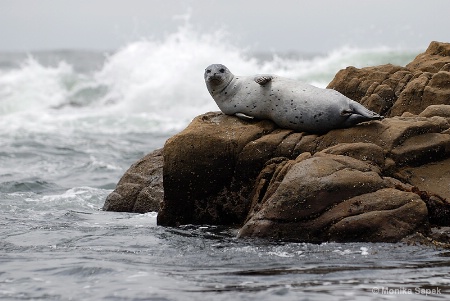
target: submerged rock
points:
(380, 181)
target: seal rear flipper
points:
(244, 116)
(354, 119)
(357, 114)
(362, 111)
(263, 79)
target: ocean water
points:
(72, 122)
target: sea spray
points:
(33, 87)
(166, 77)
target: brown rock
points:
(366, 152)
(433, 59)
(393, 90)
(222, 170)
(317, 183)
(433, 177)
(387, 134)
(418, 150)
(220, 167)
(199, 168)
(140, 188)
(329, 197)
(411, 98)
(436, 110)
(359, 83)
(386, 225)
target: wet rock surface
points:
(141, 187)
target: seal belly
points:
(300, 107)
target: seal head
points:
(217, 78)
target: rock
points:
(433, 177)
(389, 225)
(225, 179)
(436, 110)
(421, 149)
(392, 90)
(331, 197)
(379, 181)
(317, 183)
(434, 59)
(427, 89)
(222, 170)
(203, 178)
(141, 187)
(366, 152)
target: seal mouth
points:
(215, 80)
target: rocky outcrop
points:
(208, 171)
(286, 185)
(333, 197)
(141, 187)
(393, 90)
(378, 181)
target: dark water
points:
(71, 251)
(72, 122)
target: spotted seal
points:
(289, 103)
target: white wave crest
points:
(33, 86)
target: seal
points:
(289, 103)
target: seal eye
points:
(208, 71)
(222, 70)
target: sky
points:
(264, 25)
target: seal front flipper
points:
(244, 116)
(263, 79)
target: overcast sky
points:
(267, 25)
